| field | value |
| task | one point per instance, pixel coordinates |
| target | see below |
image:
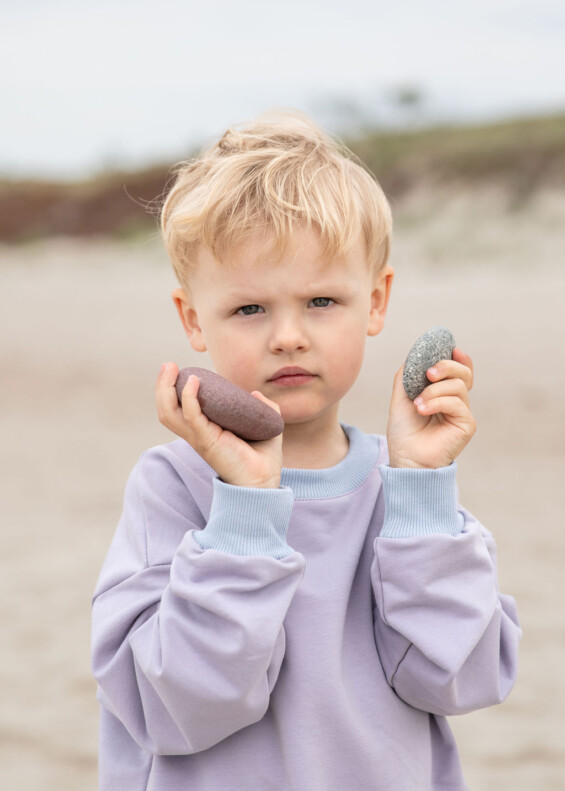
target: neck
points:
(314, 445)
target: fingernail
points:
(432, 371)
(163, 366)
(419, 401)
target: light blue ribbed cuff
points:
(419, 501)
(248, 521)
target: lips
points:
(291, 376)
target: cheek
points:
(236, 359)
(350, 339)
(346, 355)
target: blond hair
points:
(269, 176)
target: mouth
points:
(292, 376)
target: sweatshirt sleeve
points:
(187, 622)
(447, 639)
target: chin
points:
(296, 417)
(304, 407)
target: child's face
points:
(293, 328)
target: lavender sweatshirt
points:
(309, 638)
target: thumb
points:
(266, 400)
(398, 391)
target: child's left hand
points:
(433, 430)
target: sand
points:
(85, 327)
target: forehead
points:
(303, 257)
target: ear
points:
(189, 319)
(379, 299)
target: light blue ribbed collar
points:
(363, 455)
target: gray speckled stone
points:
(232, 407)
(431, 347)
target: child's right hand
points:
(240, 463)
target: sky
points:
(86, 86)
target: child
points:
(301, 613)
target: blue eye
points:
(249, 310)
(321, 302)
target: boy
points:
(299, 613)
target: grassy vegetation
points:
(522, 155)
(112, 204)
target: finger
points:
(273, 404)
(189, 397)
(168, 375)
(451, 407)
(460, 357)
(179, 418)
(398, 391)
(451, 369)
(197, 426)
(165, 392)
(444, 388)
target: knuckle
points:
(461, 386)
(469, 429)
(187, 410)
(209, 444)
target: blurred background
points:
(459, 110)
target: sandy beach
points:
(85, 327)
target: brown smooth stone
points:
(232, 407)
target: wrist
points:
(424, 461)
(248, 521)
(420, 501)
(258, 483)
(399, 463)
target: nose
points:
(288, 336)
